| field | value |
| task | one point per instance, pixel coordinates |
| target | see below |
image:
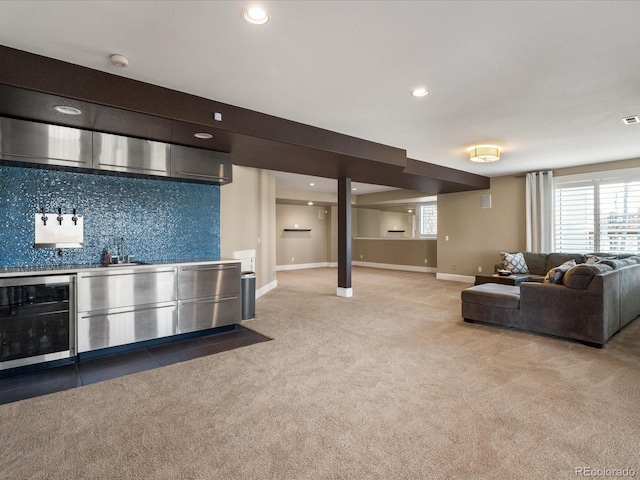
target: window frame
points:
(419, 208)
(596, 180)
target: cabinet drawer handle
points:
(133, 310)
(128, 167)
(201, 175)
(209, 267)
(211, 300)
(120, 274)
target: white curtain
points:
(540, 212)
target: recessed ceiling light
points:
(255, 16)
(410, 211)
(354, 189)
(309, 203)
(203, 135)
(118, 60)
(67, 110)
(311, 184)
(420, 92)
(631, 120)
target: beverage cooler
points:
(36, 320)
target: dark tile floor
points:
(86, 372)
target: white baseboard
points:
(302, 266)
(455, 278)
(267, 288)
(390, 266)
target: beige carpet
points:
(389, 384)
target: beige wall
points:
(477, 235)
(247, 219)
(410, 252)
(367, 222)
(293, 248)
(396, 221)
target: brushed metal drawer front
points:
(199, 281)
(204, 313)
(123, 289)
(123, 326)
(25, 141)
(127, 154)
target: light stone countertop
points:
(66, 269)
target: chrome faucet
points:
(122, 256)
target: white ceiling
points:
(548, 81)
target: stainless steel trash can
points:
(248, 295)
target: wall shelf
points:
(297, 229)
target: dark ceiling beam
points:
(446, 174)
(27, 71)
(31, 85)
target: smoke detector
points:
(119, 60)
(631, 120)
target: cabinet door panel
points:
(206, 313)
(114, 289)
(124, 326)
(198, 164)
(197, 281)
(131, 155)
(32, 142)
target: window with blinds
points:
(619, 214)
(428, 218)
(598, 214)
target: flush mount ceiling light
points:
(67, 110)
(203, 135)
(119, 60)
(484, 153)
(255, 16)
(420, 92)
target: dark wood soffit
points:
(123, 106)
(25, 70)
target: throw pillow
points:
(580, 276)
(514, 262)
(556, 273)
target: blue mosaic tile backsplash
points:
(159, 220)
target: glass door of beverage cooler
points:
(36, 320)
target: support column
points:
(344, 238)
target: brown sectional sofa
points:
(590, 315)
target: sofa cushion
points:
(536, 262)
(557, 258)
(493, 295)
(621, 262)
(555, 274)
(514, 262)
(580, 276)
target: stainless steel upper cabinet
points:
(131, 155)
(23, 141)
(201, 165)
